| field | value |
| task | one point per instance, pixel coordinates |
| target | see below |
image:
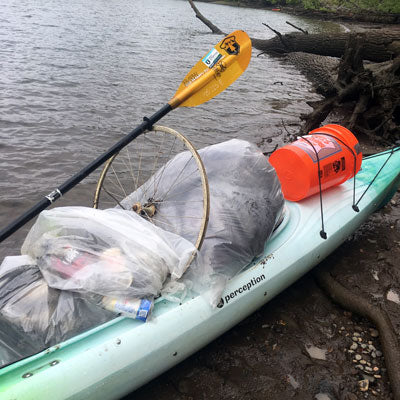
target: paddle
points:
(219, 68)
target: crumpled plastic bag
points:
(34, 316)
(114, 253)
(245, 204)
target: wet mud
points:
(301, 345)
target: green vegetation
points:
(357, 6)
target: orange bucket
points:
(335, 148)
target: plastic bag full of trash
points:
(245, 204)
(34, 316)
(113, 253)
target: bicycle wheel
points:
(160, 176)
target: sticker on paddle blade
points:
(215, 71)
(212, 58)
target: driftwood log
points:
(376, 46)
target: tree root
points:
(350, 301)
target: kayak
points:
(119, 356)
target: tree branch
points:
(296, 27)
(205, 21)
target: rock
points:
(354, 346)
(363, 385)
(293, 382)
(358, 328)
(358, 357)
(315, 352)
(374, 333)
(378, 353)
(322, 396)
(363, 362)
(393, 296)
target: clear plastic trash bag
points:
(34, 316)
(113, 253)
(245, 204)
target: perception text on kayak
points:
(244, 288)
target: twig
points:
(285, 45)
(296, 27)
(205, 21)
(284, 127)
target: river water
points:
(76, 76)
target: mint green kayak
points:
(119, 356)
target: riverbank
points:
(339, 14)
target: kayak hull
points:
(121, 355)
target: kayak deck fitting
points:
(117, 357)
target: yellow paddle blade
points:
(218, 69)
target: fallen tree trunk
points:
(376, 46)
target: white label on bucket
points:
(324, 146)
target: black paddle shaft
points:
(73, 181)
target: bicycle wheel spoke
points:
(164, 166)
(173, 184)
(114, 198)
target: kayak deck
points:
(123, 354)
